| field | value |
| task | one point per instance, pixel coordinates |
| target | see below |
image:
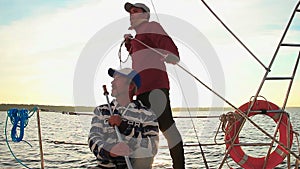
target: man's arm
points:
(98, 136)
(161, 40)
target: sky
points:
(46, 46)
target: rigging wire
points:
(238, 111)
(202, 152)
(119, 54)
(251, 53)
(155, 11)
(226, 101)
(193, 124)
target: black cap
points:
(128, 6)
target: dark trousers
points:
(158, 100)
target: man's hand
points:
(120, 149)
(171, 58)
(127, 38)
(115, 120)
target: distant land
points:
(52, 108)
(47, 108)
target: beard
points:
(136, 22)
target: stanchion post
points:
(40, 138)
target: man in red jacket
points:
(154, 92)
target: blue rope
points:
(19, 119)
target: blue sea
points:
(74, 129)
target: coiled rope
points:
(226, 120)
(19, 119)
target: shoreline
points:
(52, 108)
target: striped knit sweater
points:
(139, 129)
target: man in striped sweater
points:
(138, 126)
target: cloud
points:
(39, 52)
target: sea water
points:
(74, 129)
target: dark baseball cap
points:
(128, 6)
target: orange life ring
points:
(276, 156)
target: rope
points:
(19, 119)
(120, 55)
(161, 146)
(202, 152)
(164, 56)
(226, 120)
(243, 115)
